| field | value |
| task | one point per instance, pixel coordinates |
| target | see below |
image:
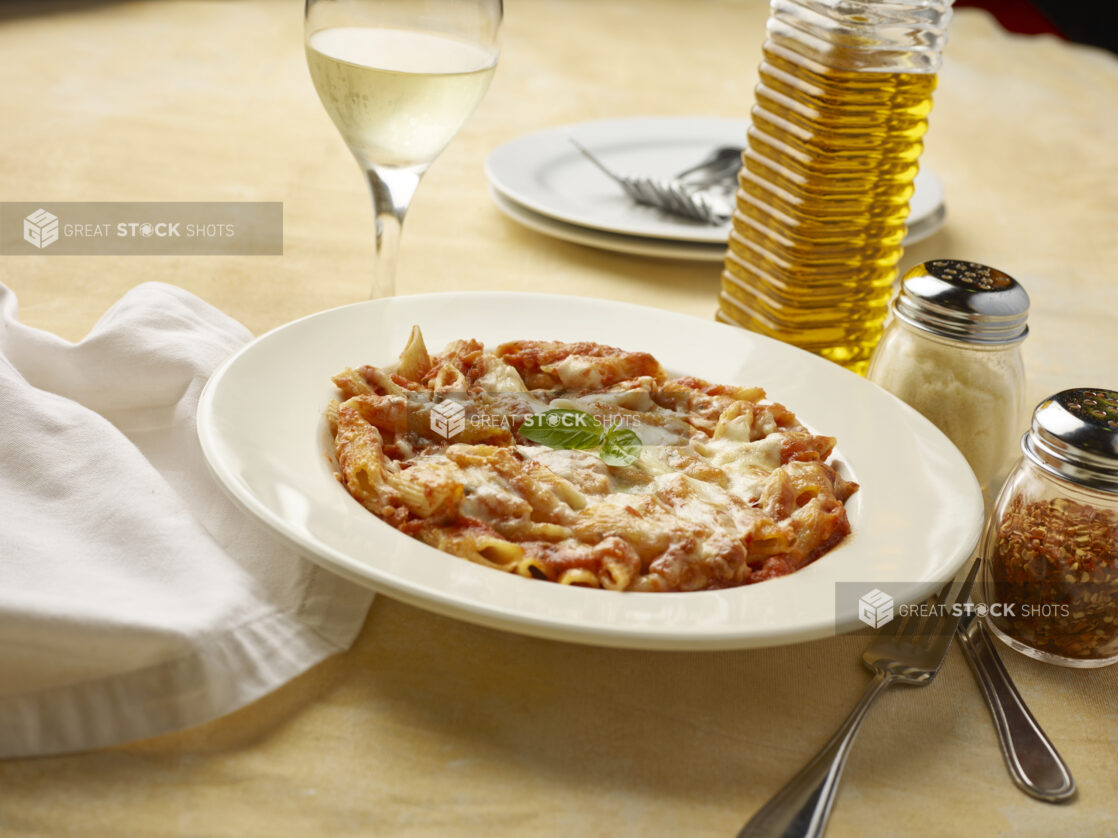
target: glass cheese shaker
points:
(1052, 543)
(953, 351)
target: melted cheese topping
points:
(727, 490)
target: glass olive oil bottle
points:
(837, 129)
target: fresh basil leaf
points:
(563, 428)
(621, 447)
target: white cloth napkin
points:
(134, 598)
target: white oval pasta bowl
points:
(915, 520)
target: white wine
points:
(397, 96)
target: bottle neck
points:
(863, 36)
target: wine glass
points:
(399, 78)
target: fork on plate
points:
(674, 195)
(910, 651)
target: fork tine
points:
(698, 206)
(938, 640)
(638, 190)
(676, 202)
(699, 202)
(932, 622)
(666, 195)
(960, 595)
(896, 627)
(910, 627)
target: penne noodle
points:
(722, 488)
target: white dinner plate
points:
(656, 248)
(544, 173)
(636, 245)
(915, 519)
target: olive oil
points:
(822, 201)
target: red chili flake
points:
(1062, 554)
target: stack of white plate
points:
(541, 180)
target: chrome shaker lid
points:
(964, 301)
(1075, 436)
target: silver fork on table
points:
(669, 194)
(909, 652)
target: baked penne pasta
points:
(728, 488)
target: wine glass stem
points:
(392, 190)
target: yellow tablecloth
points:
(434, 727)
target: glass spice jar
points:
(1052, 542)
(952, 350)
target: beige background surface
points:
(433, 727)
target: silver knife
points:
(1032, 760)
